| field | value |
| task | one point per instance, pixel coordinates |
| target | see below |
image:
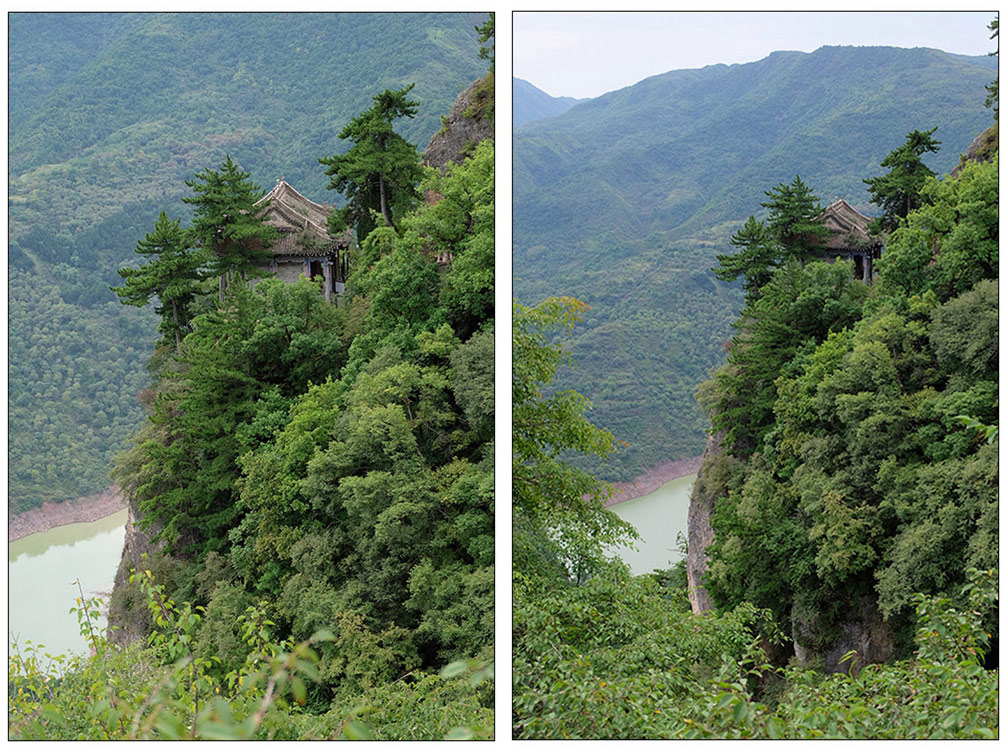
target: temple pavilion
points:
(304, 245)
(849, 238)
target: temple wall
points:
(290, 271)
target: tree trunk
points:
(384, 202)
(178, 339)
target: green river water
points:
(40, 569)
(659, 518)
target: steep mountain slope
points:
(625, 200)
(109, 115)
(470, 120)
(529, 103)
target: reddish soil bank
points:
(90, 508)
(653, 479)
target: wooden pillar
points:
(327, 268)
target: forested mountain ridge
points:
(530, 103)
(109, 114)
(624, 200)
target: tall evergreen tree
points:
(226, 223)
(173, 276)
(381, 170)
(486, 33)
(791, 221)
(790, 232)
(897, 193)
(755, 261)
(992, 88)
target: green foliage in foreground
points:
(558, 518)
(622, 657)
(164, 690)
(601, 654)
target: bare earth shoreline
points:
(90, 508)
(653, 479)
(99, 505)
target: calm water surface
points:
(40, 569)
(659, 517)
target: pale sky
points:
(586, 54)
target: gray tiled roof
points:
(300, 221)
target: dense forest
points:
(856, 492)
(624, 200)
(313, 492)
(851, 483)
(109, 115)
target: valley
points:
(624, 200)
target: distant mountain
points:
(109, 114)
(529, 103)
(624, 200)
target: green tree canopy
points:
(755, 261)
(558, 509)
(897, 193)
(226, 222)
(381, 170)
(790, 232)
(173, 276)
(992, 88)
(791, 219)
(486, 33)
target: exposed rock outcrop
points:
(128, 618)
(863, 632)
(815, 642)
(982, 149)
(470, 121)
(699, 532)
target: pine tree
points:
(793, 209)
(173, 276)
(227, 224)
(486, 33)
(790, 232)
(381, 170)
(755, 261)
(897, 193)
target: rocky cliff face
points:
(128, 618)
(470, 121)
(983, 149)
(863, 632)
(699, 532)
(814, 642)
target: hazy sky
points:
(587, 54)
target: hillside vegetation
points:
(312, 554)
(624, 201)
(109, 115)
(853, 570)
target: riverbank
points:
(653, 479)
(90, 508)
